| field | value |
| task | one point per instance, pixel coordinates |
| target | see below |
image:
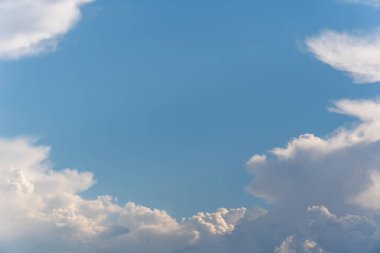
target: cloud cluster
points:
(311, 176)
(323, 191)
(346, 158)
(41, 210)
(32, 27)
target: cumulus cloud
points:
(323, 191)
(348, 158)
(311, 176)
(32, 27)
(354, 53)
(41, 210)
(330, 234)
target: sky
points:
(189, 126)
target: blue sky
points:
(165, 101)
(257, 121)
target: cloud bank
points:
(41, 211)
(324, 194)
(32, 27)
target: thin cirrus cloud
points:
(33, 27)
(375, 3)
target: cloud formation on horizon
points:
(33, 27)
(323, 191)
(41, 209)
(33, 195)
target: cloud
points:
(330, 234)
(348, 158)
(41, 210)
(323, 191)
(311, 176)
(354, 53)
(33, 27)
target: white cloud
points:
(304, 180)
(221, 222)
(32, 27)
(311, 175)
(286, 246)
(324, 191)
(354, 53)
(349, 158)
(41, 210)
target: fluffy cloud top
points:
(313, 175)
(324, 194)
(32, 27)
(33, 195)
(346, 158)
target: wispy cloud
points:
(375, 3)
(355, 53)
(32, 27)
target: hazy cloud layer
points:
(32, 27)
(375, 3)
